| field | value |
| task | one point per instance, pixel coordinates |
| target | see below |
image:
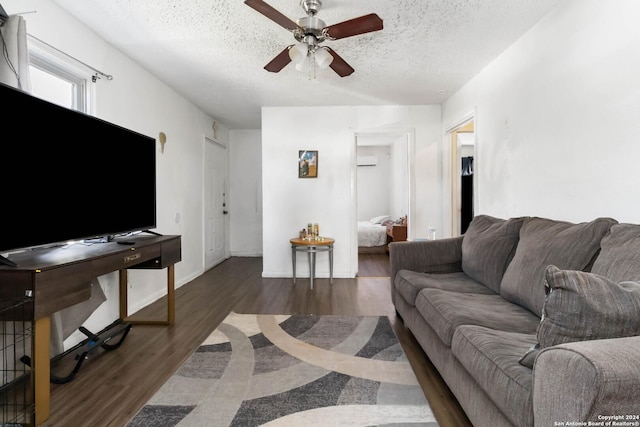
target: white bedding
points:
(370, 234)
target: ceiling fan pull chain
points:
(312, 64)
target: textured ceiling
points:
(213, 51)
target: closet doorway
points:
(462, 141)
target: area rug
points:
(266, 370)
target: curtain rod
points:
(107, 76)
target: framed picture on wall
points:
(307, 164)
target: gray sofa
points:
(475, 304)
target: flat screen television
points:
(68, 176)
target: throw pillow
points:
(544, 242)
(379, 219)
(487, 248)
(582, 306)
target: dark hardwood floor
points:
(373, 265)
(112, 386)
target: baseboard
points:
(245, 254)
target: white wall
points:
(384, 188)
(245, 202)
(137, 100)
(290, 203)
(374, 183)
(557, 117)
(400, 191)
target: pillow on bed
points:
(379, 219)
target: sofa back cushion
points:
(619, 257)
(487, 248)
(544, 242)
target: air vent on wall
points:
(367, 160)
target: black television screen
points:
(68, 176)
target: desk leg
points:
(171, 300)
(171, 295)
(41, 367)
(124, 297)
(293, 262)
(331, 264)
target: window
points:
(56, 78)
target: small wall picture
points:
(307, 164)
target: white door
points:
(215, 209)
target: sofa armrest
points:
(428, 256)
(586, 381)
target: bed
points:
(372, 234)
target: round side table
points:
(311, 247)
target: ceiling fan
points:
(310, 31)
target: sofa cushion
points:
(583, 306)
(491, 358)
(543, 242)
(445, 311)
(619, 257)
(408, 283)
(487, 248)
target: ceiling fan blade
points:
(339, 65)
(280, 61)
(355, 26)
(271, 13)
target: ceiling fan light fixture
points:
(298, 52)
(323, 57)
(303, 66)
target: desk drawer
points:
(170, 253)
(59, 288)
(125, 259)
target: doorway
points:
(215, 204)
(382, 188)
(462, 145)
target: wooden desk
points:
(311, 247)
(57, 278)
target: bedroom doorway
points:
(382, 195)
